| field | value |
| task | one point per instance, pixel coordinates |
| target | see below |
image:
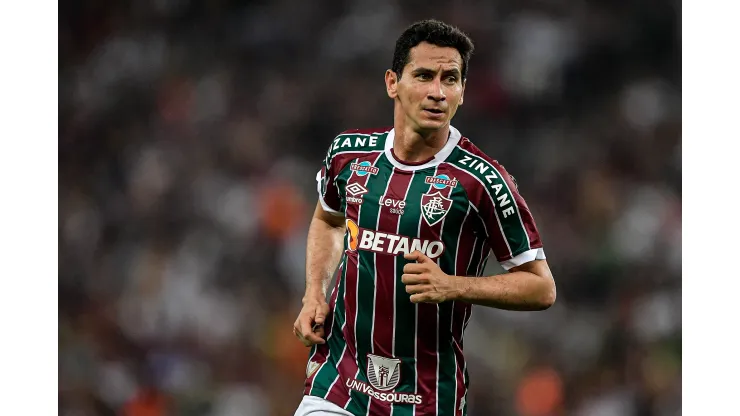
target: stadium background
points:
(189, 137)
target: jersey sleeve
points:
(326, 186)
(510, 227)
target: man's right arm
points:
(323, 251)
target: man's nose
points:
(436, 92)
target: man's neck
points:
(412, 146)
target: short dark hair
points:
(434, 32)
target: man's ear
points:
(462, 94)
(391, 83)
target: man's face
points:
(431, 87)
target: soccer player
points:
(410, 215)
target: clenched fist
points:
(309, 326)
(427, 283)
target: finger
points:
(414, 289)
(423, 259)
(418, 256)
(325, 308)
(307, 331)
(413, 279)
(304, 324)
(320, 332)
(311, 334)
(311, 339)
(300, 337)
(424, 298)
(418, 298)
(414, 268)
(320, 314)
(413, 255)
(314, 337)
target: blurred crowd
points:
(190, 134)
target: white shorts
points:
(316, 406)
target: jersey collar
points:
(440, 157)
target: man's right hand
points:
(309, 326)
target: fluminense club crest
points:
(434, 207)
(383, 373)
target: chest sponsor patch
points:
(389, 243)
(363, 168)
(440, 181)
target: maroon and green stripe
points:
(448, 362)
(430, 336)
(365, 306)
(385, 267)
(405, 319)
(346, 364)
(464, 266)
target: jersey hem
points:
(323, 394)
(319, 390)
(322, 409)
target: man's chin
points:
(432, 125)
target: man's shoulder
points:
(471, 159)
(358, 141)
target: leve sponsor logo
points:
(396, 206)
(389, 243)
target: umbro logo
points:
(355, 189)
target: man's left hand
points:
(427, 283)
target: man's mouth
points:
(434, 110)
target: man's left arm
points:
(515, 241)
(527, 287)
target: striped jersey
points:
(385, 355)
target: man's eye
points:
(423, 76)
